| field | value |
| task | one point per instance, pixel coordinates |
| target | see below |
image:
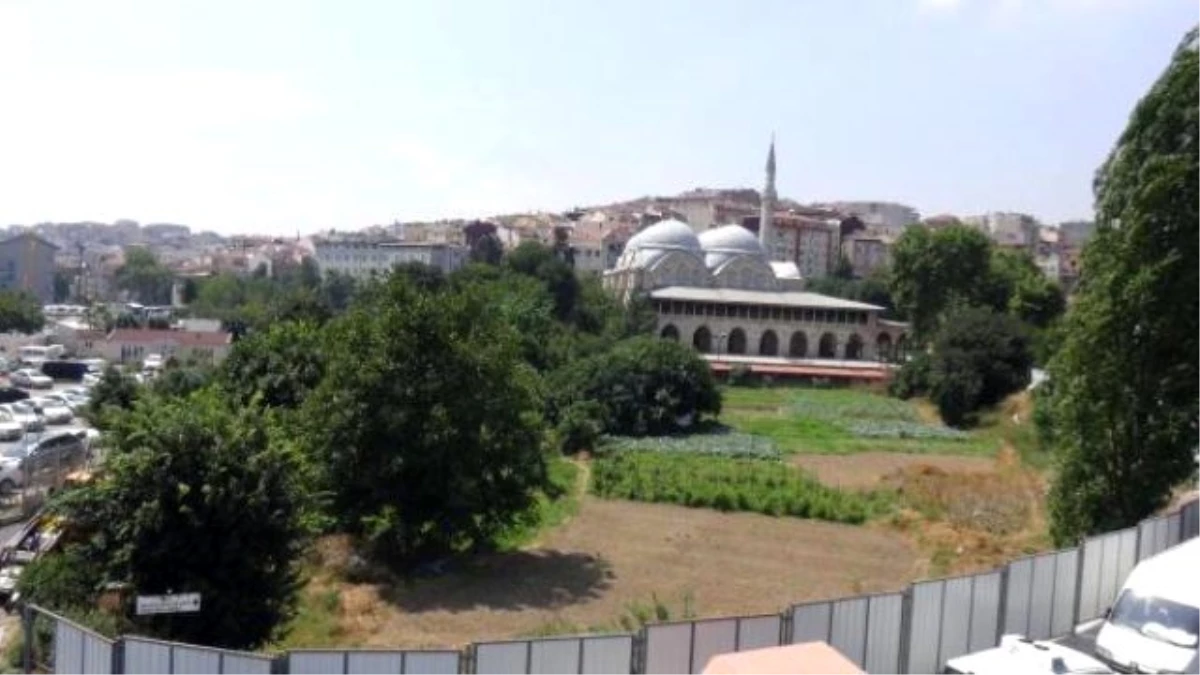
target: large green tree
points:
(197, 496)
(21, 312)
(979, 356)
(428, 421)
(146, 279)
(934, 269)
(277, 367)
(1125, 394)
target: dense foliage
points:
(427, 422)
(146, 279)
(1123, 405)
(727, 484)
(20, 312)
(277, 367)
(196, 497)
(114, 392)
(644, 386)
(978, 358)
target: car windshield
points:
(1158, 618)
(23, 408)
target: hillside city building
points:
(358, 258)
(27, 264)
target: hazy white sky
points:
(285, 115)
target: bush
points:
(740, 375)
(912, 379)
(725, 484)
(580, 427)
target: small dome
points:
(731, 239)
(674, 234)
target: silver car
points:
(26, 414)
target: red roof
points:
(832, 372)
(181, 338)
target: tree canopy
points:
(978, 358)
(20, 312)
(1123, 408)
(146, 279)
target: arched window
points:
(854, 348)
(827, 347)
(798, 347)
(670, 332)
(702, 340)
(768, 345)
(737, 341)
(883, 347)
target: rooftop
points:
(743, 297)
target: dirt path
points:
(866, 470)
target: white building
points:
(364, 258)
(1006, 228)
(887, 218)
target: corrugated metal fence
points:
(913, 631)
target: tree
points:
(1016, 285)
(427, 422)
(541, 262)
(277, 368)
(62, 285)
(20, 311)
(115, 391)
(978, 358)
(1124, 396)
(935, 269)
(190, 291)
(487, 250)
(144, 277)
(645, 386)
(198, 497)
(179, 381)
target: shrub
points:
(912, 379)
(726, 484)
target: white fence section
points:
(914, 631)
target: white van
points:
(1153, 626)
(36, 355)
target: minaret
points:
(766, 217)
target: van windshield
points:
(1158, 618)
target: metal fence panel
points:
(247, 664)
(1016, 597)
(849, 635)
(1190, 518)
(371, 662)
(97, 654)
(146, 656)
(885, 613)
(956, 618)
(985, 612)
(1174, 528)
(607, 654)
(316, 661)
(1062, 608)
(1109, 574)
(193, 661)
(757, 632)
(1152, 537)
(502, 657)
(555, 656)
(710, 638)
(1126, 559)
(925, 625)
(1042, 596)
(434, 662)
(668, 648)
(1089, 579)
(68, 648)
(811, 622)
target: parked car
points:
(69, 402)
(30, 379)
(10, 394)
(1017, 654)
(11, 429)
(90, 379)
(26, 414)
(52, 410)
(45, 458)
(153, 362)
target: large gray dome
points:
(672, 234)
(727, 242)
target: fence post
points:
(905, 628)
(27, 619)
(785, 626)
(692, 649)
(1078, 585)
(1002, 615)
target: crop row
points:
(723, 445)
(728, 484)
(813, 404)
(900, 429)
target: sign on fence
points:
(168, 604)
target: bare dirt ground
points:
(866, 470)
(587, 573)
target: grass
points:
(844, 421)
(726, 484)
(635, 616)
(552, 507)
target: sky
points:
(286, 116)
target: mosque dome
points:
(652, 243)
(727, 242)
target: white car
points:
(153, 362)
(72, 403)
(91, 379)
(26, 414)
(1016, 654)
(53, 410)
(11, 429)
(29, 378)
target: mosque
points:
(720, 292)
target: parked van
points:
(1153, 626)
(39, 354)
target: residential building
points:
(133, 345)
(1006, 228)
(364, 258)
(1076, 233)
(887, 218)
(1047, 254)
(598, 244)
(27, 264)
(867, 254)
